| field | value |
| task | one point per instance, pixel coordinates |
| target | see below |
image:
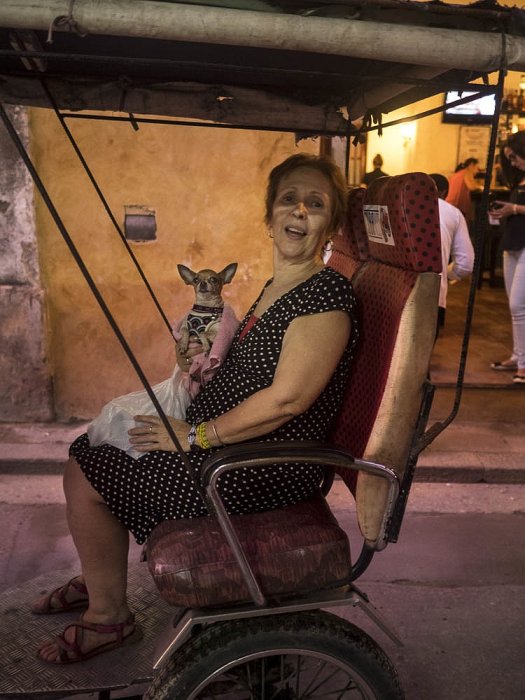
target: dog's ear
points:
(187, 275)
(227, 274)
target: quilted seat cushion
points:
(295, 549)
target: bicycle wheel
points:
(297, 656)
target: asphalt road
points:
(453, 587)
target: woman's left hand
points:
(153, 435)
(502, 209)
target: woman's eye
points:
(288, 198)
(316, 204)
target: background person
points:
(376, 173)
(281, 380)
(513, 245)
(457, 251)
(460, 184)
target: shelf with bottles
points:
(510, 123)
(513, 102)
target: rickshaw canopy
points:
(293, 64)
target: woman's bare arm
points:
(306, 363)
(312, 348)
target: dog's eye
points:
(213, 280)
(195, 280)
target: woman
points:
(461, 184)
(280, 381)
(513, 244)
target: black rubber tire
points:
(324, 642)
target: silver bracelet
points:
(214, 430)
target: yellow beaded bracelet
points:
(202, 439)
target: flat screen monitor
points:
(478, 111)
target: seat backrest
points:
(350, 244)
(397, 296)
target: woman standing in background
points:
(513, 244)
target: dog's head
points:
(208, 284)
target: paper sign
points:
(377, 224)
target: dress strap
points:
(247, 328)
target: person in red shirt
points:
(461, 184)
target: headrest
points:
(401, 216)
(352, 239)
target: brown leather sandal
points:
(71, 652)
(59, 595)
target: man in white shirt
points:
(456, 247)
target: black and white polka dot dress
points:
(156, 487)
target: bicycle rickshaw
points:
(256, 597)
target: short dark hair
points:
(466, 163)
(378, 161)
(441, 184)
(322, 164)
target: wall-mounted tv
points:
(478, 111)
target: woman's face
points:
(473, 168)
(301, 214)
(514, 159)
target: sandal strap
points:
(113, 628)
(68, 650)
(61, 592)
(77, 585)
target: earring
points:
(269, 233)
(328, 246)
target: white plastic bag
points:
(116, 418)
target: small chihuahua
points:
(202, 321)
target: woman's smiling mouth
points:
(295, 231)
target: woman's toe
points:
(48, 651)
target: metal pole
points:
(87, 276)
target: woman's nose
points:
(300, 209)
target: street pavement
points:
(452, 587)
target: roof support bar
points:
(427, 46)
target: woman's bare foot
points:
(82, 640)
(72, 595)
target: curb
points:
(461, 473)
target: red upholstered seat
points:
(298, 548)
(351, 243)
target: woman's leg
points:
(102, 543)
(515, 264)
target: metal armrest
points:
(264, 453)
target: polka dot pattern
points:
(413, 210)
(156, 487)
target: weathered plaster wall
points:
(207, 188)
(25, 386)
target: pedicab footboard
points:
(23, 675)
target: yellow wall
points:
(207, 187)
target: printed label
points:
(377, 224)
